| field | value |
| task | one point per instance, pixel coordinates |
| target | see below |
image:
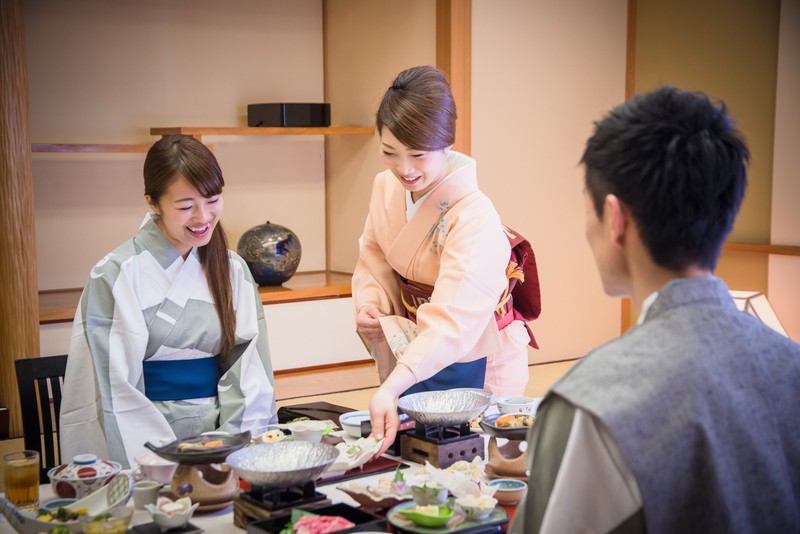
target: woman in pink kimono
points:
(431, 286)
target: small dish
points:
(310, 430)
(490, 426)
(476, 507)
(517, 404)
(509, 491)
(384, 493)
(175, 451)
(429, 493)
(169, 514)
(351, 422)
(55, 504)
(492, 523)
(115, 521)
(114, 494)
(428, 516)
(154, 467)
(354, 454)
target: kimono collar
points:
(706, 290)
(151, 238)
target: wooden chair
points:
(40, 381)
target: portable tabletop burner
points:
(441, 445)
(281, 477)
(265, 502)
(442, 434)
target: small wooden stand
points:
(212, 486)
(507, 460)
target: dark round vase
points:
(272, 253)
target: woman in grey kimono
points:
(169, 338)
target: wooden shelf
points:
(58, 306)
(88, 148)
(783, 250)
(303, 287)
(221, 130)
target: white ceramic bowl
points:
(351, 422)
(308, 430)
(517, 404)
(167, 521)
(154, 467)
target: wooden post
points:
(626, 315)
(19, 301)
(454, 57)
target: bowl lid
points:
(85, 466)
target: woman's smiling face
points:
(417, 170)
(186, 217)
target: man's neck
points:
(650, 278)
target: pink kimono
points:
(455, 243)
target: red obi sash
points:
(521, 299)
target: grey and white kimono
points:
(145, 306)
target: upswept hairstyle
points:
(183, 155)
(678, 163)
(419, 110)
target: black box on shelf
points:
(288, 114)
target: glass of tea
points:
(22, 479)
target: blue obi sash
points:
(456, 375)
(169, 380)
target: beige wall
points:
(541, 73)
(106, 72)
(526, 133)
(368, 43)
(784, 271)
(730, 50)
(727, 49)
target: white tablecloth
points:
(221, 521)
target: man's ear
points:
(617, 219)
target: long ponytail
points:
(217, 266)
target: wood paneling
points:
(19, 324)
(454, 57)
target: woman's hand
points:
(384, 418)
(368, 326)
(382, 409)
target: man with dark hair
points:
(690, 421)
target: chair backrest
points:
(40, 381)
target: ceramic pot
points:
(272, 253)
(84, 475)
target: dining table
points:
(222, 520)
